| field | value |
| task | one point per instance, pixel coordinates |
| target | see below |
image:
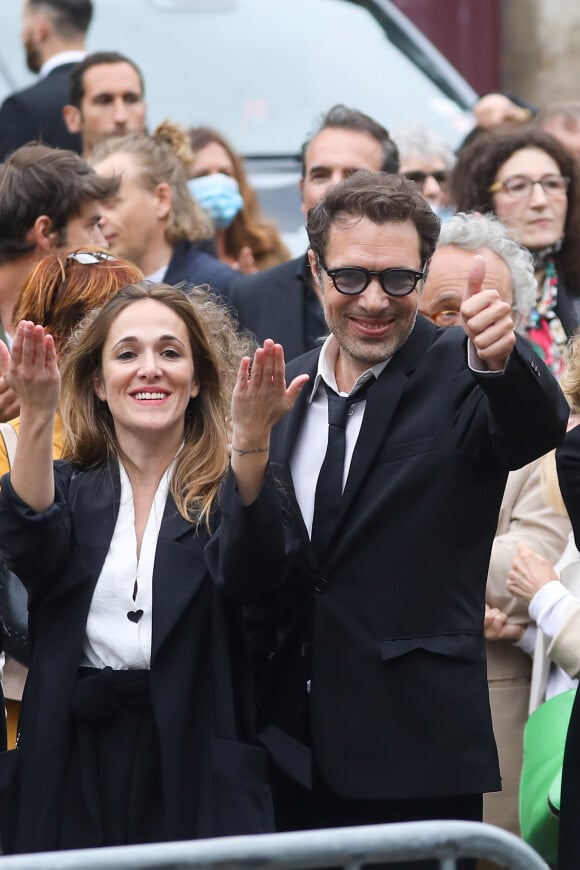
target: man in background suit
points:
(107, 98)
(284, 303)
(54, 34)
(373, 697)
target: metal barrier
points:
(350, 848)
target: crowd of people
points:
(294, 533)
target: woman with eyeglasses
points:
(138, 552)
(529, 180)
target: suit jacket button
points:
(304, 649)
(321, 585)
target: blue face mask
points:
(443, 212)
(219, 195)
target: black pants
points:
(113, 786)
(321, 808)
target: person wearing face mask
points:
(529, 180)
(154, 221)
(245, 239)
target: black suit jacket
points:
(272, 304)
(190, 263)
(35, 113)
(213, 782)
(389, 624)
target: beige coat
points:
(524, 516)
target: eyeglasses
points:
(441, 176)
(520, 186)
(90, 258)
(352, 280)
(445, 318)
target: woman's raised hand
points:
(260, 396)
(31, 368)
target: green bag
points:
(541, 780)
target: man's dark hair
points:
(37, 180)
(382, 198)
(97, 58)
(343, 118)
(69, 17)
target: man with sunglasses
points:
(427, 160)
(372, 680)
(283, 302)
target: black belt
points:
(101, 692)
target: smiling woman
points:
(135, 605)
(529, 180)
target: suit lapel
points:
(284, 440)
(95, 495)
(179, 571)
(382, 400)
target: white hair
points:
(473, 231)
(416, 140)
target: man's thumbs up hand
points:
(487, 319)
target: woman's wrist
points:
(250, 442)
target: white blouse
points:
(118, 630)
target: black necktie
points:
(329, 485)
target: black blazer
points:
(193, 265)
(389, 625)
(213, 782)
(36, 113)
(271, 304)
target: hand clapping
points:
(31, 368)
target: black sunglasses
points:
(441, 176)
(352, 280)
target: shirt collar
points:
(327, 364)
(72, 56)
(157, 276)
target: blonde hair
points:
(164, 157)
(90, 438)
(570, 380)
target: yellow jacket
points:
(57, 443)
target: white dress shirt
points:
(71, 56)
(310, 448)
(111, 638)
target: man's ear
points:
(301, 189)
(42, 235)
(72, 118)
(43, 28)
(316, 276)
(164, 197)
(313, 265)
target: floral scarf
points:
(545, 330)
